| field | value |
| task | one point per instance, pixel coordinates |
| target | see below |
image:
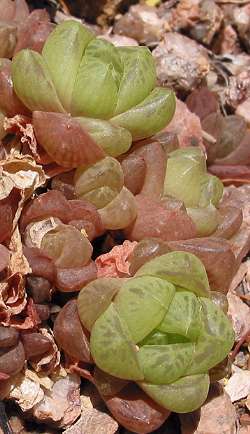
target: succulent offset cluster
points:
(187, 180)
(110, 91)
(160, 329)
(158, 336)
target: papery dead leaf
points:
(51, 359)
(238, 386)
(25, 392)
(239, 312)
(62, 404)
(115, 263)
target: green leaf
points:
(180, 268)
(33, 84)
(138, 79)
(104, 51)
(183, 316)
(112, 347)
(206, 219)
(112, 139)
(96, 87)
(143, 302)
(211, 190)
(95, 298)
(150, 116)
(63, 52)
(164, 364)
(185, 168)
(182, 396)
(106, 172)
(215, 340)
(120, 212)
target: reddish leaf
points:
(65, 140)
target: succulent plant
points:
(102, 184)
(109, 91)
(160, 329)
(187, 180)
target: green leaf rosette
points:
(187, 179)
(160, 329)
(111, 91)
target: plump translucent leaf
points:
(112, 139)
(230, 222)
(112, 347)
(160, 338)
(183, 175)
(163, 364)
(104, 51)
(206, 219)
(32, 82)
(97, 178)
(120, 212)
(211, 191)
(138, 78)
(182, 396)
(106, 384)
(96, 86)
(143, 302)
(64, 139)
(215, 340)
(61, 241)
(101, 196)
(95, 298)
(63, 52)
(150, 116)
(181, 268)
(135, 410)
(95, 91)
(183, 316)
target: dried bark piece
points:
(180, 62)
(93, 421)
(69, 333)
(142, 23)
